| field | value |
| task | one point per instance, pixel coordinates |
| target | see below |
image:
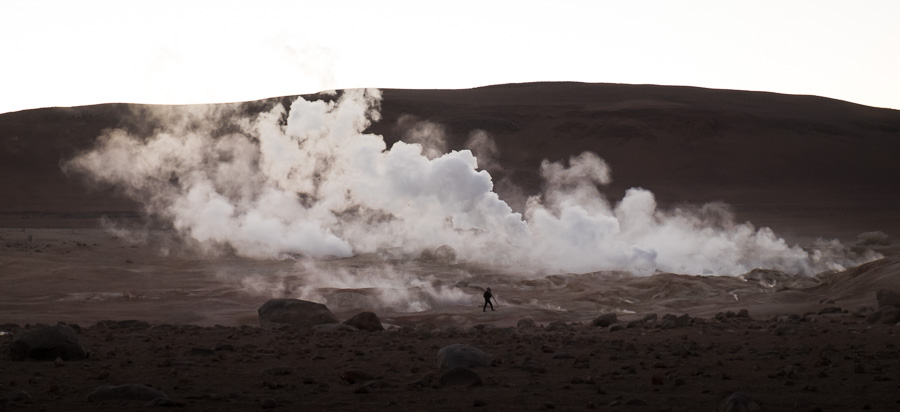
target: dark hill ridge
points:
(804, 165)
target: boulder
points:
(294, 312)
(604, 320)
(526, 324)
(829, 310)
(445, 254)
(465, 356)
(460, 376)
(616, 327)
(365, 321)
(783, 330)
(670, 321)
(48, 343)
(127, 392)
(557, 326)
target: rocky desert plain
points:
(120, 290)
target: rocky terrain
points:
(105, 306)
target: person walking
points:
(487, 300)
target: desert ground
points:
(152, 310)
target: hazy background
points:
(60, 53)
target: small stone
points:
(478, 403)
(278, 371)
(226, 347)
(783, 330)
(532, 366)
(737, 402)
(829, 310)
(268, 403)
(201, 352)
(353, 376)
(127, 392)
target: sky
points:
(66, 53)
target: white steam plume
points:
(309, 182)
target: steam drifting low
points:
(308, 181)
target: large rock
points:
(294, 312)
(127, 392)
(887, 298)
(460, 376)
(443, 254)
(48, 343)
(526, 324)
(463, 356)
(365, 321)
(604, 320)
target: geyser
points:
(308, 181)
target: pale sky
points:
(65, 53)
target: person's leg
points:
(492, 305)
(484, 309)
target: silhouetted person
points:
(487, 300)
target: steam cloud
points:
(308, 181)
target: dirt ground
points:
(202, 345)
